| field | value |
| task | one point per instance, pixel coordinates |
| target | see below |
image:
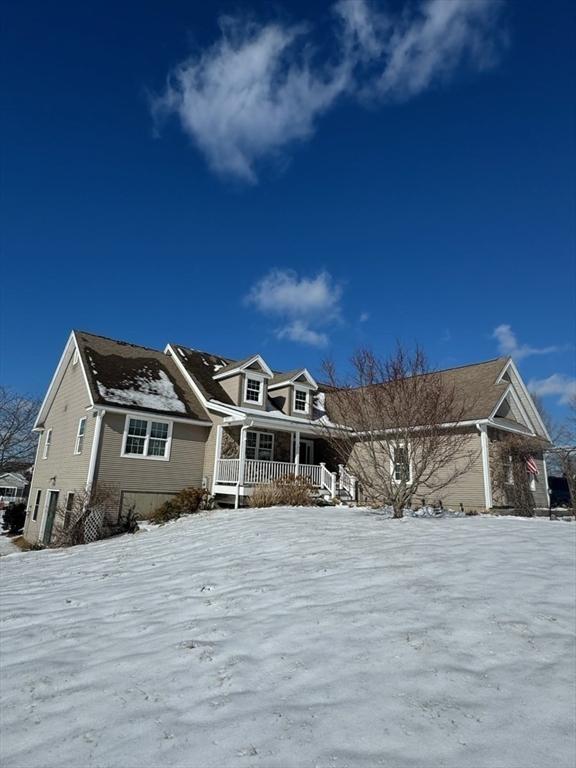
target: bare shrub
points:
(289, 490)
(186, 502)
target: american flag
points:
(531, 465)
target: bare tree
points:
(564, 451)
(17, 441)
(388, 425)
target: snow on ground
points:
(7, 547)
(294, 637)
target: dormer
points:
(292, 392)
(246, 381)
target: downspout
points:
(241, 459)
(483, 429)
(95, 446)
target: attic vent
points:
(75, 356)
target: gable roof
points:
(135, 377)
(477, 388)
(242, 365)
(280, 379)
(202, 366)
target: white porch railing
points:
(259, 472)
(346, 482)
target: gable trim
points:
(57, 378)
(287, 382)
(511, 364)
(510, 391)
(266, 372)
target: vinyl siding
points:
(468, 489)
(62, 470)
(184, 468)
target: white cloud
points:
(508, 344)
(364, 317)
(299, 331)
(557, 384)
(302, 303)
(283, 292)
(261, 87)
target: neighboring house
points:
(13, 488)
(150, 423)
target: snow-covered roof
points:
(131, 376)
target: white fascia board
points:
(151, 415)
(56, 378)
(512, 364)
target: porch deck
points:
(259, 472)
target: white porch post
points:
(545, 472)
(241, 464)
(217, 455)
(483, 429)
(297, 453)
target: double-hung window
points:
(79, 446)
(301, 400)
(147, 439)
(253, 390)
(259, 445)
(401, 464)
(47, 443)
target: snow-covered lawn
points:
(294, 637)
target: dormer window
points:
(253, 390)
(301, 400)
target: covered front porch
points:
(251, 455)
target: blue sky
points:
(296, 179)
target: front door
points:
(306, 450)
(52, 504)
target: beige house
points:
(149, 423)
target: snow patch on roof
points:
(155, 394)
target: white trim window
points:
(510, 471)
(80, 434)
(37, 504)
(401, 465)
(259, 445)
(47, 443)
(253, 389)
(301, 400)
(147, 439)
